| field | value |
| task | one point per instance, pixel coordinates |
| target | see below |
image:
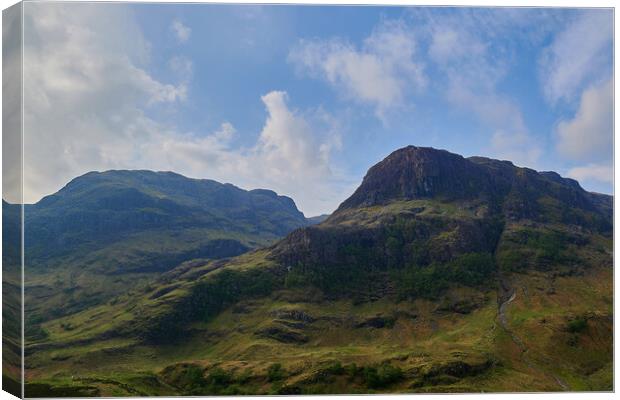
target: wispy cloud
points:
(579, 53)
(469, 72)
(465, 55)
(379, 73)
(182, 67)
(181, 31)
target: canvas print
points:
(233, 199)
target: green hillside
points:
(439, 274)
(104, 233)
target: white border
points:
(484, 3)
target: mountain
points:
(95, 209)
(105, 232)
(439, 274)
(317, 219)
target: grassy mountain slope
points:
(439, 274)
(11, 299)
(103, 233)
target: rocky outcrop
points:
(377, 322)
(295, 315)
(282, 334)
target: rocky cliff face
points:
(422, 205)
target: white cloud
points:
(448, 44)
(589, 135)
(577, 54)
(226, 132)
(287, 142)
(593, 172)
(289, 156)
(181, 31)
(380, 73)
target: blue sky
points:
(304, 99)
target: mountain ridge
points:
(120, 201)
(419, 172)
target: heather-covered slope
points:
(439, 274)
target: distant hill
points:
(318, 219)
(439, 274)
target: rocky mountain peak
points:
(419, 172)
(413, 172)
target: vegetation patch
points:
(578, 324)
(208, 298)
(194, 380)
(48, 390)
(430, 281)
(537, 248)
